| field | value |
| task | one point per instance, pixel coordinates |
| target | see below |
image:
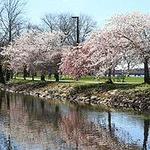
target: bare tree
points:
(66, 24)
(11, 19)
(11, 24)
(49, 21)
(33, 28)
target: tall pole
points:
(78, 32)
(78, 40)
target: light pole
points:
(77, 19)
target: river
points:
(28, 123)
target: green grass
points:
(22, 81)
(87, 85)
(85, 80)
(92, 79)
(134, 79)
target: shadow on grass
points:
(106, 87)
(21, 84)
(119, 86)
(65, 81)
(78, 85)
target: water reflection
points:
(30, 124)
(146, 133)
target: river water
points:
(27, 123)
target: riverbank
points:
(122, 96)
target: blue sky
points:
(100, 10)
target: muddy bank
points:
(96, 95)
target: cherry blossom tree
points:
(135, 28)
(35, 51)
(99, 54)
(105, 51)
(124, 37)
(75, 62)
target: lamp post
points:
(77, 19)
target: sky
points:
(99, 10)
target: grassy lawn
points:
(92, 79)
(134, 79)
(89, 82)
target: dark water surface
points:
(30, 124)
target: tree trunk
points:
(114, 72)
(128, 70)
(10, 32)
(2, 79)
(109, 77)
(56, 75)
(11, 74)
(42, 77)
(49, 76)
(146, 71)
(32, 77)
(25, 72)
(8, 75)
